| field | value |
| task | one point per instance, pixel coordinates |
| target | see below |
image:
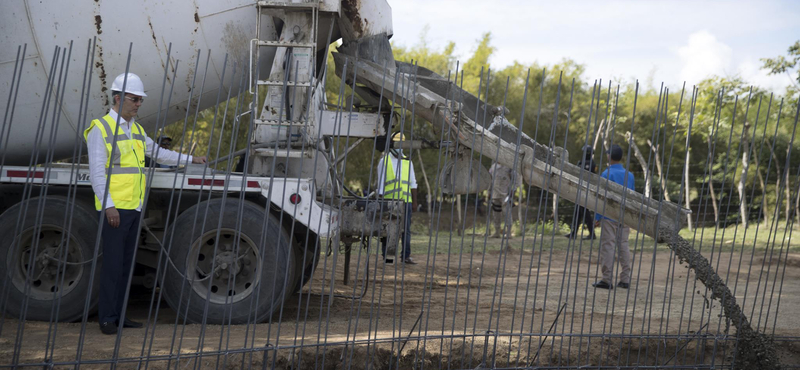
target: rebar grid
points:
(527, 301)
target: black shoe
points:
(131, 324)
(389, 261)
(602, 285)
(409, 261)
(623, 285)
(569, 236)
(108, 328)
(590, 237)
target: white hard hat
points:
(134, 84)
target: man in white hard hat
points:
(396, 180)
(116, 140)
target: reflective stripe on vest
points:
(393, 187)
(127, 181)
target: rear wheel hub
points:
(226, 267)
(50, 270)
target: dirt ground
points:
(457, 310)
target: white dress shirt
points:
(412, 181)
(98, 157)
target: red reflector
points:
(253, 184)
(295, 198)
(35, 175)
(198, 182)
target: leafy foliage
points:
(559, 105)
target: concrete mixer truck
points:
(288, 186)
(261, 36)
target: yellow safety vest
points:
(127, 183)
(394, 188)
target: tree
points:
(439, 61)
(788, 65)
(477, 62)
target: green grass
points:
(544, 238)
(721, 239)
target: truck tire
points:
(244, 286)
(309, 264)
(44, 282)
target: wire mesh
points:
(280, 262)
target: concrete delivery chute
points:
(536, 163)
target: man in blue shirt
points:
(614, 234)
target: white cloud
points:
(704, 56)
(750, 71)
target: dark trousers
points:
(582, 216)
(119, 245)
(406, 234)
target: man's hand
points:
(199, 160)
(112, 215)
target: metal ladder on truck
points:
(290, 84)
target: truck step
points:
(272, 122)
(282, 83)
(287, 5)
(287, 44)
(283, 153)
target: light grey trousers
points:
(614, 240)
(500, 210)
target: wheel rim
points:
(46, 273)
(236, 266)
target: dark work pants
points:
(119, 245)
(582, 216)
(406, 234)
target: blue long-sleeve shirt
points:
(618, 174)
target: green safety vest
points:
(393, 187)
(127, 182)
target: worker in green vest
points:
(117, 141)
(396, 180)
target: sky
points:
(658, 41)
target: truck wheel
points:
(307, 266)
(49, 280)
(241, 286)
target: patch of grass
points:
(545, 236)
(763, 236)
(542, 238)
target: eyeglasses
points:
(135, 100)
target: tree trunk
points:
(555, 211)
(598, 134)
(713, 200)
(640, 158)
(519, 209)
(711, 184)
(658, 168)
(764, 206)
(458, 210)
(686, 185)
(777, 214)
(796, 202)
(788, 192)
(743, 175)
